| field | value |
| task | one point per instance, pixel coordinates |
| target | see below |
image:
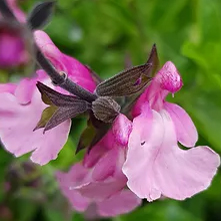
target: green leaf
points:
(47, 114)
(86, 137)
(165, 210)
(54, 215)
(25, 211)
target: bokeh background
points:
(104, 34)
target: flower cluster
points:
(138, 156)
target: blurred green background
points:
(102, 34)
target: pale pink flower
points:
(12, 46)
(155, 165)
(21, 108)
(99, 179)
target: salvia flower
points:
(22, 107)
(99, 179)
(120, 202)
(155, 165)
(143, 155)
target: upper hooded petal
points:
(185, 129)
(166, 169)
(120, 203)
(167, 80)
(17, 122)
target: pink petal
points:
(185, 129)
(9, 87)
(76, 177)
(137, 108)
(91, 212)
(79, 179)
(169, 78)
(106, 166)
(187, 172)
(106, 176)
(120, 203)
(84, 82)
(79, 73)
(91, 158)
(110, 165)
(166, 169)
(143, 144)
(75, 70)
(143, 122)
(106, 143)
(25, 90)
(41, 75)
(16, 129)
(50, 50)
(99, 191)
(77, 201)
(121, 129)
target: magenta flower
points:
(99, 179)
(21, 107)
(12, 47)
(155, 165)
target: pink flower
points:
(21, 108)
(75, 70)
(155, 165)
(99, 179)
(12, 46)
